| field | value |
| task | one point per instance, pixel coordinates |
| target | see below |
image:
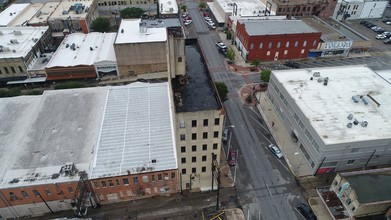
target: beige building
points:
(150, 53)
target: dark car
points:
(306, 212)
(388, 41)
(223, 51)
(363, 22)
(292, 64)
(370, 25)
(233, 157)
(380, 31)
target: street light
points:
(229, 139)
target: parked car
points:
(223, 51)
(212, 26)
(388, 22)
(370, 25)
(363, 22)
(387, 34)
(233, 157)
(221, 45)
(208, 19)
(275, 150)
(210, 23)
(306, 212)
(188, 22)
(225, 135)
(388, 41)
(292, 64)
(184, 15)
(381, 37)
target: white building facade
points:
(359, 9)
(339, 115)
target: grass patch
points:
(34, 92)
(9, 92)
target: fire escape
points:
(84, 196)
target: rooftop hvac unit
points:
(349, 125)
(364, 123)
(355, 99)
(365, 100)
(17, 32)
(355, 122)
(316, 74)
(320, 79)
(350, 116)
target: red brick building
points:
(268, 40)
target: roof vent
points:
(122, 31)
(320, 79)
(355, 122)
(14, 41)
(154, 161)
(349, 125)
(365, 100)
(316, 74)
(355, 99)
(91, 48)
(364, 124)
(350, 116)
(17, 32)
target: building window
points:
(354, 150)
(13, 69)
(260, 45)
(70, 189)
(1, 72)
(159, 177)
(215, 146)
(194, 136)
(183, 149)
(252, 46)
(194, 148)
(103, 183)
(270, 45)
(125, 181)
(350, 162)
(193, 170)
(214, 156)
(194, 123)
(216, 134)
(96, 184)
(25, 195)
(183, 171)
(172, 175)
(305, 43)
(285, 53)
(166, 176)
(353, 208)
(205, 135)
(13, 196)
(204, 158)
(194, 159)
(181, 124)
(135, 180)
(183, 160)
(205, 122)
(179, 59)
(111, 184)
(145, 179)
(314, 44)
(287, 44)
(203, 169)
(20, 69)
(204, 147)
(36, 193)
(183, 137)
(268, 53)
(117, 182)
(302, 51)
(278, 45)
(152, 178)
(217, 121)
(47, 191)
(6, 70)
(296, 43)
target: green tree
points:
(183, 7)
(131, 12)
(265, 75)
(202, 5)
(231, 54)
(101, 24)
(255, 62)
(222, 90)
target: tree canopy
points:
(222, 90)
(101, 24)
(131, 12)
(230, 54)
(265, 75)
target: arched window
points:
(24, 194)
(12, 196)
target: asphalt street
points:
(266, 189)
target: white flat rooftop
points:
(168, 7)
(327, 107)
(26, 15)
(88, 49)
(137, 131)
(66, 9)
(129, 32)
(44, 13)
(24, 38)
(39, 134)
(11, 13)
(245, 7)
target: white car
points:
(188, 22)
(185, 15)
(221, 45)
(208, 19)
(380, 37)
(276, 151)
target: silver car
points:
(275, 150)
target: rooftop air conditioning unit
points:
(17, 32)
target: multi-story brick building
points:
(268, 40)
(199, 121)
(78, 148)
